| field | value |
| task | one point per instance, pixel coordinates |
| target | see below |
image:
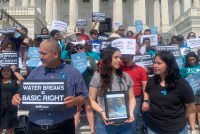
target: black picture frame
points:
(114, 113)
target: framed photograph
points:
(116, 106)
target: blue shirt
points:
(96, 45)
(75, 87)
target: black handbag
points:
(22, 125)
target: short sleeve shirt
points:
(167, 113)
(126, 84)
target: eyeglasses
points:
(94, 33)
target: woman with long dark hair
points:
(171, 97)
(192, 67)
(10, 79)
(109, 79)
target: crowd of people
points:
(160, 93)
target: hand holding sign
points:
(70, 101)
(16, 100)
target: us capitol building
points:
(169, 16)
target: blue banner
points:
(33, 52)
(138, 22)
(194, 81)
(33, 62)
(153, 29)
(138, 25)
(79, 61)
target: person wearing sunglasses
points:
(191, 35)
(87, 76)
(121, 31)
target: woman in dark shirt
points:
(171, 97)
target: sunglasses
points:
(79, 48)
(191, 35)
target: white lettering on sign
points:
(31, 97)
(53, 98)
(32, 87)
(126, 46)
(53, 87)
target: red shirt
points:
(137, 74)
(84, 37)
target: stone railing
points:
(24, 11)
(190, 12)
(10, 20)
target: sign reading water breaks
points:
(44, 95)
(173, 49)
(9, 58)
(143, 60)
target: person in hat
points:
(181, 41)
(87, 76)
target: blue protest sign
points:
(153, 29)
(138, 22)
(139, 28)
(17, 34)
(33, 52)
(194, 81)
(79, 61)
(33, 62)
(138, 25)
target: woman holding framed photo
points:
(111, 79)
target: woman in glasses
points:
(191, 35)
(87, 75)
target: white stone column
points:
(196, 3)
(176, 9)
(25, 3)
(186, 5)
(49, 14)
(39, 6)
(157, 13)
(165, 15)
(96, 5)
(142, 11)
(55, 13)
(136, 9)
(118, 11)
(12, 3)
(73, 15)
(32, 3)
(58, 9)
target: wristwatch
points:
(147, 101)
